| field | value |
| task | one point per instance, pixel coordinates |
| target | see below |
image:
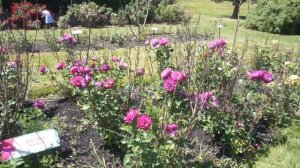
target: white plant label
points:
(29, 144)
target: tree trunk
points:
(235, 11)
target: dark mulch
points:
(76, 148)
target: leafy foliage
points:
(275, 16)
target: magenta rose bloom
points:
(166, 73)
(116, 59)
(107, 84)
(84, 70)
(140, 72)
(256, 75)
(7, 148)
(267, 77)
(68, 38)
(144, 122)
(43, 70)
(131, 115)
(170, 85)
(39, 104)
(60, 66)
(88, 78)
(104, 68)
(171, 129)
(154, 43)
(213, 44)
(74, 70)
(78, 81)
(163, 42)
(221, 42)
(178, 76)
(123, 65)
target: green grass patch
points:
(286, 154)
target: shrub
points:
(275, 16)
(25, 14)
(171, 14)
(88, 13)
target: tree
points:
(236, 3)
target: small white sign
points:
(77, 31)
(29, 144)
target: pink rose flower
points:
(144, 122)
(154, 43)
(170, 85)
(107, 84)
(78, 81)
(7, 147)
(166, 73)
(68, 38)
(60, 66)
(163, 42)
(131, 115)
(221, 42)
(140, 72)
(104, 68)
(74, 70)
(123, 65)
(84, 70)
(213, 44)
(267, 77)
(171, 129)
(178, 76)
(39, 104)
(260, 75)
(43, 70)
(116, 59)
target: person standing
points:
(48, 18)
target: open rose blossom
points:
(39, 104)
(104, 68)
(166, 73)
(140, 72)
(43, 70)
(61, 66)
(260, 75)
(68, 38)
(170, 85)
(178, 76)
(7, 148)
(154, 42)
(78, 81)
(131, 116)
(123, 65)
(144, 122)
(106, 84)
(115, 59)
(163, 42)
(171, 129)
(218, 44)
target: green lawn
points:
(286, 154)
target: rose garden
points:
(151, 84)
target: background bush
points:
(276, 16)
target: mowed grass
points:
(219, 13)
(284, 155)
